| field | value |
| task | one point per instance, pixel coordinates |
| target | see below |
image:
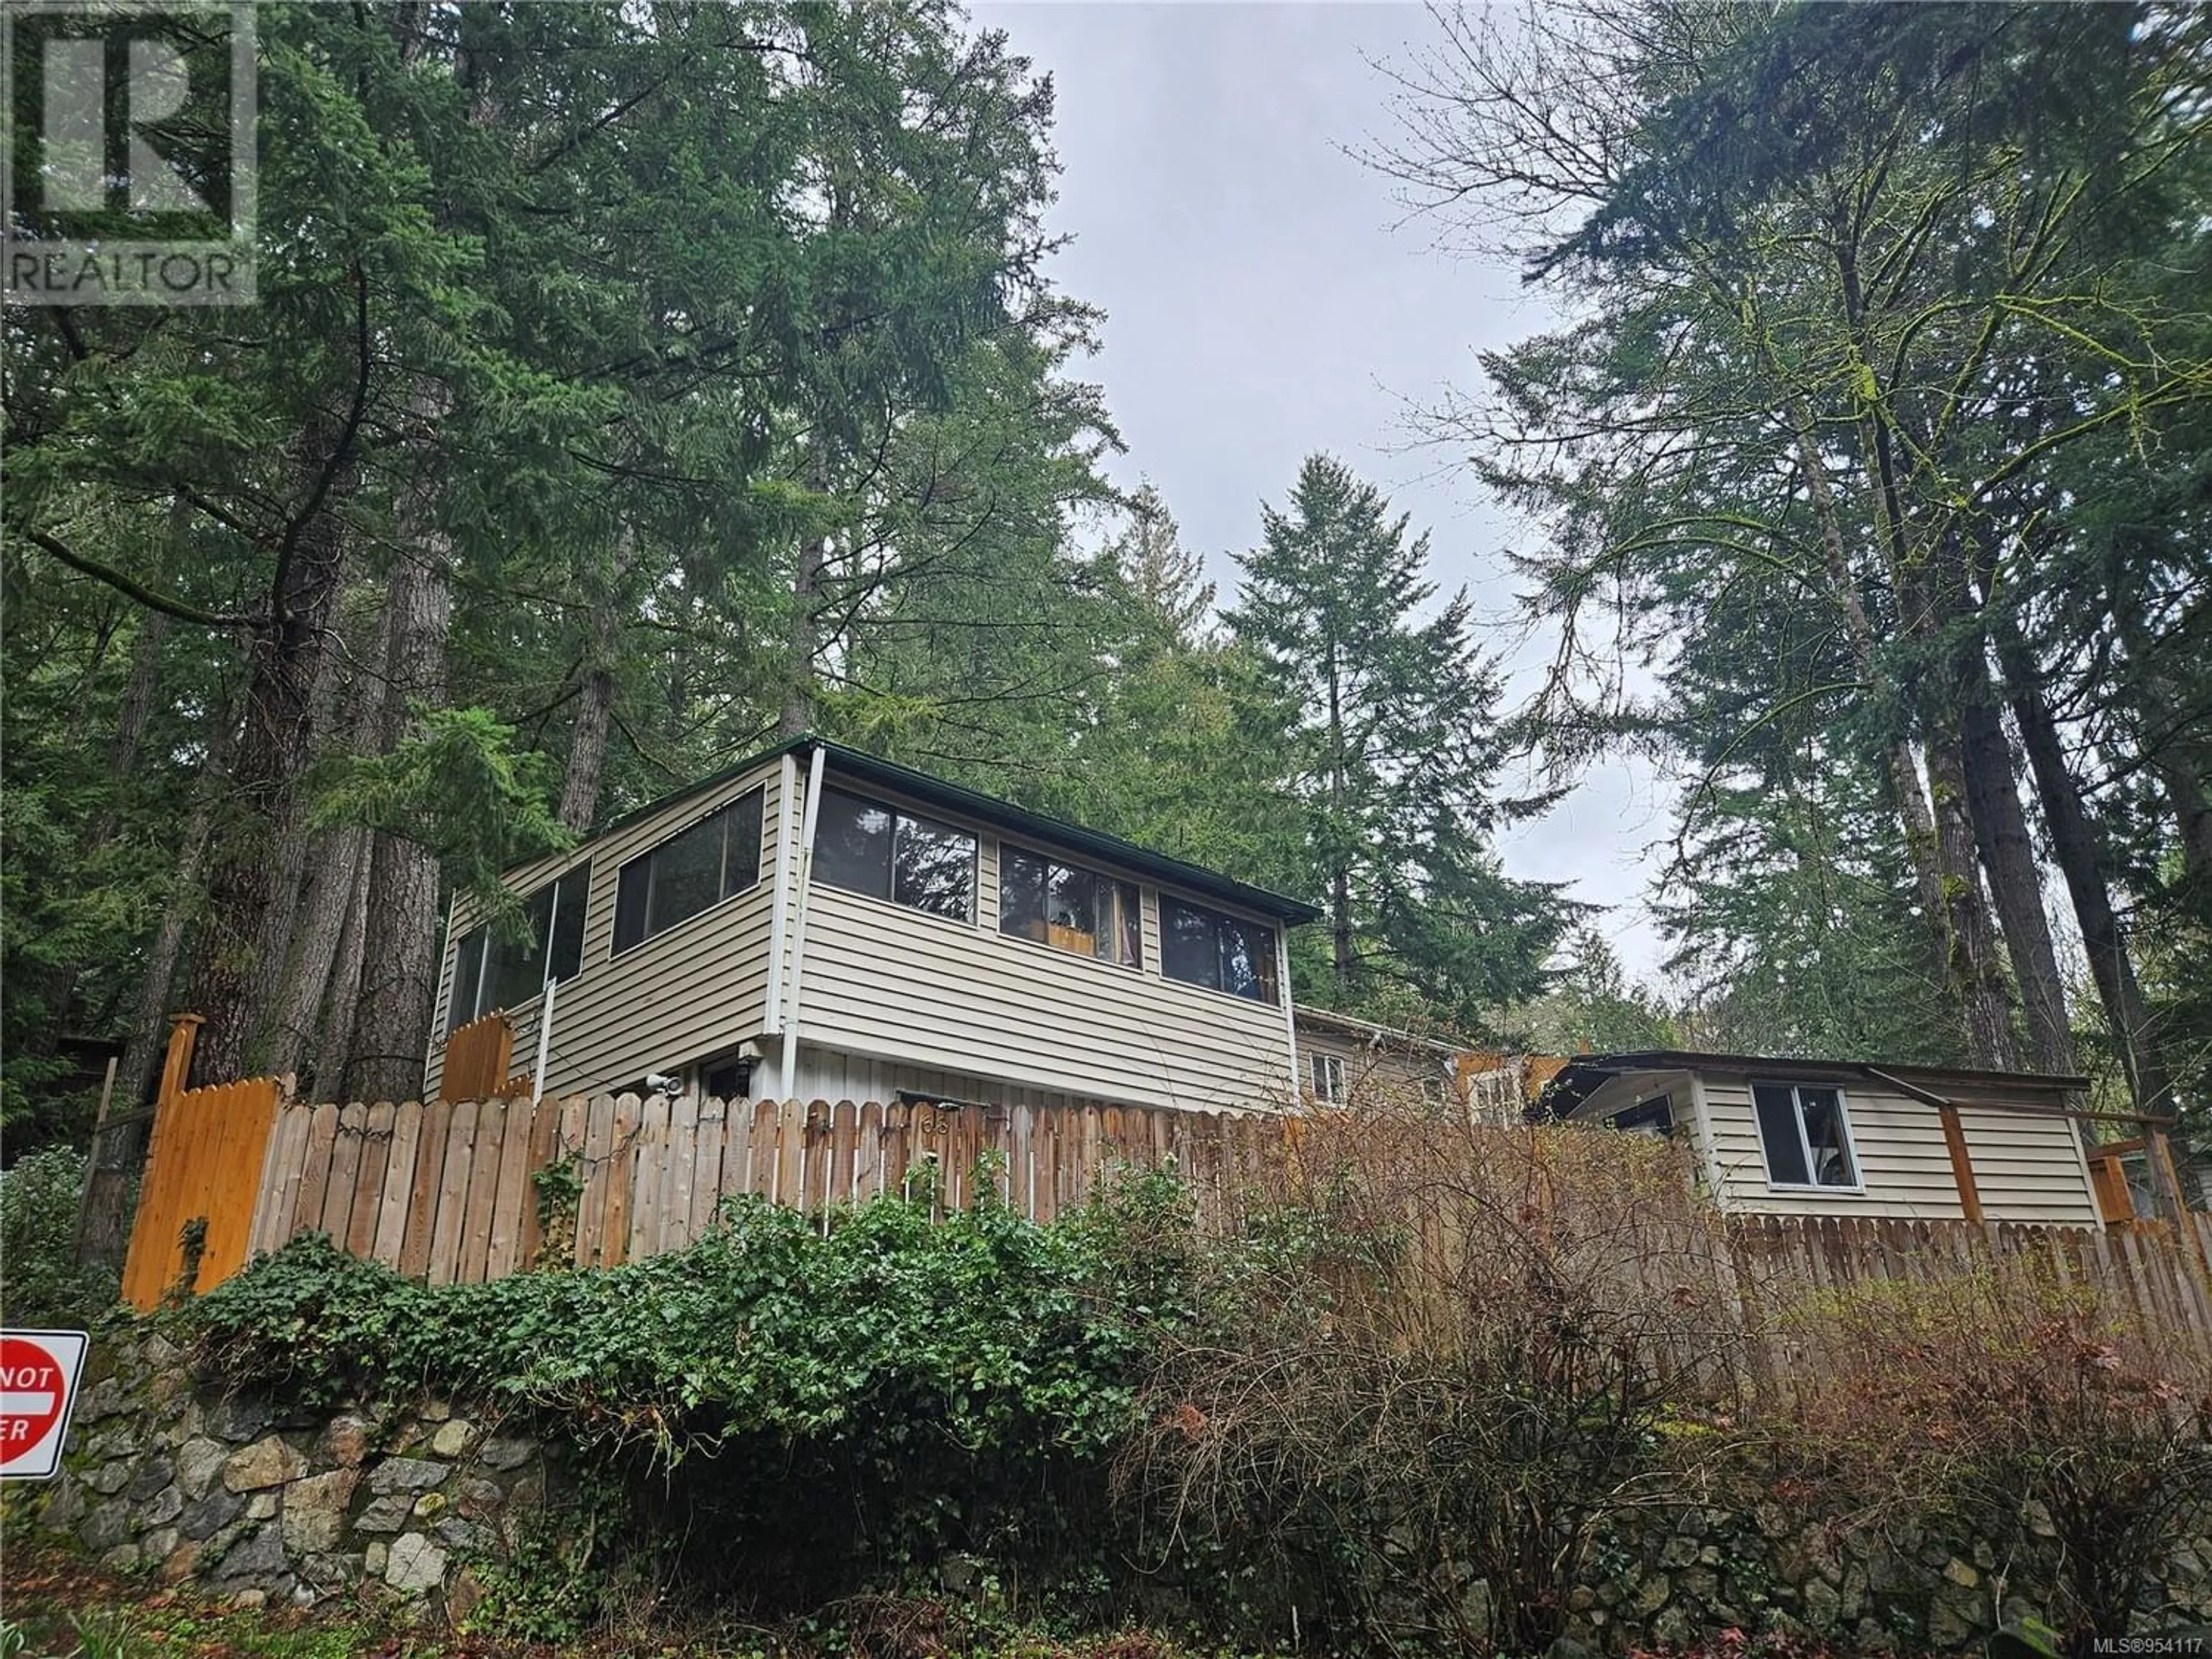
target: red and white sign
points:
(39, 1372)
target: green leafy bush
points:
(986, 1323)
(932, 1385)
(40, 1283)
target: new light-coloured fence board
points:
(206, 1160)
(478, 1056)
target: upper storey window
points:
(889, 852)
(715, 859)
(1221, 952)
(493, 972)
(1069, 907)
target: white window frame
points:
(1805, 1146)
(1321, 1066)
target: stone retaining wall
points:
(1701, 1571)
(165, 1477)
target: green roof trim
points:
(1053, 834)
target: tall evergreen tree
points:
(1391, 760)
(1858, 287)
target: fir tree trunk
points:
(1973, 960)
(595, 701)
(2008, 855)
(323, 906)
(587, 751)
(334, 1040)
(335, 870)
(1922, 841)
(2075, 847)
(804, 641)
(399, 949)
(284, 652)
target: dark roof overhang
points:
(1585, 1074)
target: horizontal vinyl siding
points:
(2027, 1168)
(827, 1074)
(1903, 1165)
(891, 983)
(699, 988)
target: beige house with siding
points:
(1799, 1137)
(816, 923)
(1342, 1059)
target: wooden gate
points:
(204, 1164)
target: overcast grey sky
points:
(1264, 301)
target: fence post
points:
(184, 1034)
(92, 1162)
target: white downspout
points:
(440, 1016)
(787, 1058)
(1290, 1007)
(544, 1033)
(779, 912)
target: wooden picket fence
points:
(473, 1190)
(447, 1191)
(452, 1193)
(1782, 1270)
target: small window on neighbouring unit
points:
(1654, 1117)
(694, 870)
(1327, 1071)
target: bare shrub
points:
(2004, 1399)
(1441, 1355)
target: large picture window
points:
(889, 852)
(1802, 1131)
(1223, 953)
(715, 859)
(1069, 907)
(491, 971)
